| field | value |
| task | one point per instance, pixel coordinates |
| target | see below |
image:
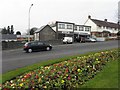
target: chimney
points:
(89, 17)
(118, 23)
(105, 20)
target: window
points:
(69, 26)
(87, 29)
(61, 26)
(80, 28)
(75, 28)
(40, 43)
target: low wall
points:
(11, 45)
(19, 44)
(54, 42)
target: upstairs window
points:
(75, 28)
(69, 26)
(80, 28)
(87, 28)
(61, 26)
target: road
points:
(13, 59)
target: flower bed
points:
(67, 74)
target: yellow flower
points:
(96, 59)
(39, 80)
(44, 86)
(78, 70)
(62, 81)
(21, 84)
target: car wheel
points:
(29, 50)
(48, 48)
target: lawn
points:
(107, 78)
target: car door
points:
(41, 46)
(34, 46)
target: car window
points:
(40, 43)
(34, 43)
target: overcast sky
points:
(15, 12)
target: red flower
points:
(69, 77)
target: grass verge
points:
(107, 78)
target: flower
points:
(79, 70)
(21, 84)
(62, 81)
(44, 86)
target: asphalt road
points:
(13, 59)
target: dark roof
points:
(64, 22)
(105, 23)
(42, 27)
(8, 37)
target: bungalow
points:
(102, 29)
(45, 33)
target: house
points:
(8, 37)
(45, 33)
(102, 29)
(25, 37)
(64, 29)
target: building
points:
(64, 29)
(8, 37)
(82, 31)
(101, 28)
(45, 33)
(25, 37)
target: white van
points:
(68, 40)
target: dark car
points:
(36, 46)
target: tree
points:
(18, 33)
(32, 31)
(12, 30)
(4, 31)
(8, 30)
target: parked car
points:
(68, 40)
(89, 39)
(36, 46)
(80, 39)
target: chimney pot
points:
(89, 17)
(105, 20)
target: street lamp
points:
(29, 23)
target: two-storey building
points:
(102, 29)
(64, 29)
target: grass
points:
(107, 78)
(104, 77)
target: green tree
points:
(12, 30)
(8, 30)
(18, 33)
(32, 31)
(4, 30)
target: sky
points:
(16, 12)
